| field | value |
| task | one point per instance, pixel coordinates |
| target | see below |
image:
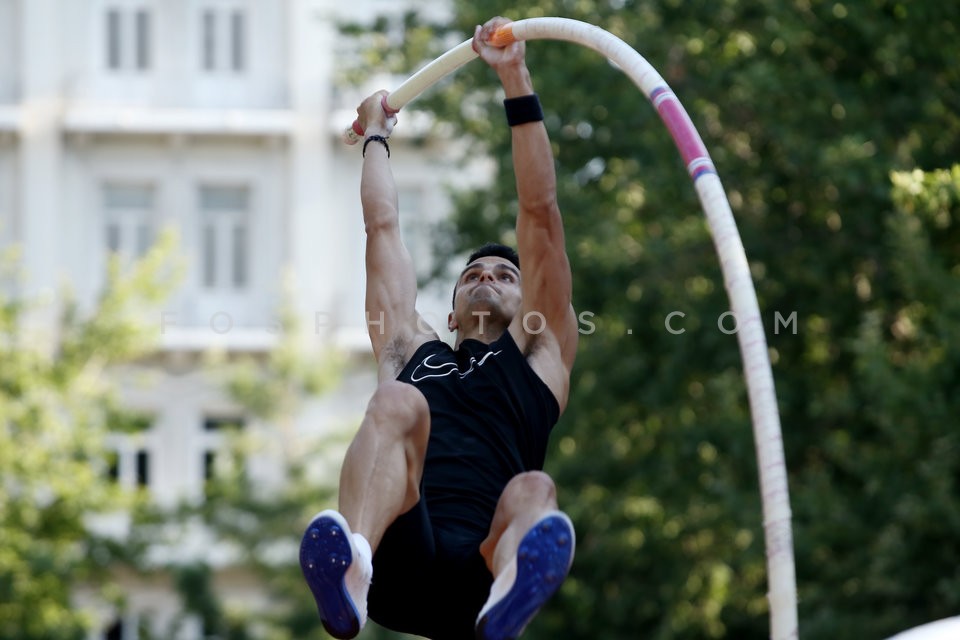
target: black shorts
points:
(429, 579)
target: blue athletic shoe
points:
(543, 560)
(338, 568)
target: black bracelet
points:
(523, 109)
(382, 140)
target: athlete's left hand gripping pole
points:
(427, 76)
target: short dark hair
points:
(494, 249)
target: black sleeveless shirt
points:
(491, 416)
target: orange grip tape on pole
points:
(502, 36)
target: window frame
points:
(128, 37)
(131, 227)
(224, 38)
(225, 260)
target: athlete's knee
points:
(399, 408)
(529, 488)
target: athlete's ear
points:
(451, 322)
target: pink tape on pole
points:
(680, 126)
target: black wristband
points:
(523, 109)
(382, 140)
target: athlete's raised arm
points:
(546, 280)
(394, 326)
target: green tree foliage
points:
(896, 469)
(57, 405)
(807, 108)
(55, 408)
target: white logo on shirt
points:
(446, 368)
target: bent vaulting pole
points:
(733, 261)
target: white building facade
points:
(219, 119)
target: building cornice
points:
(204, 122)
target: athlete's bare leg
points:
(380, 477)
(526, 498)
(528, 550)
(379, 480)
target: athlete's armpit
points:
(394, 357)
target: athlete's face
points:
(487, 285)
